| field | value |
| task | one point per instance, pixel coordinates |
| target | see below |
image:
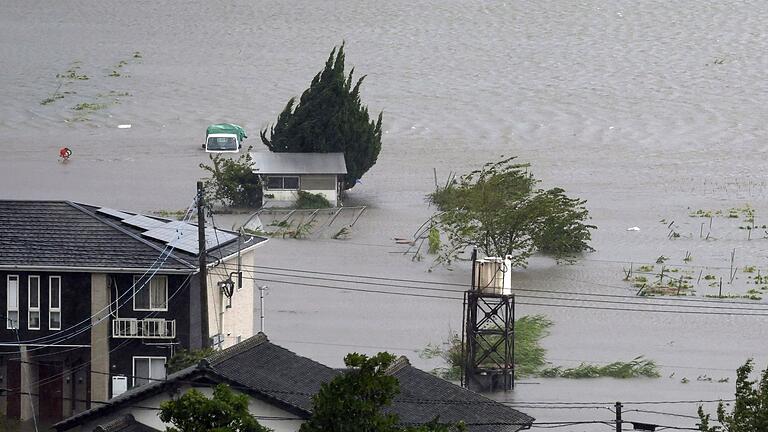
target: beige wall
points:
(316, 184)
(99, 337)
(238, 319)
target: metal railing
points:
(151, 328)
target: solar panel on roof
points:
(183, 236)
(140, 221)
(114, 213)
(188, 244)
(170, 230)
(216, 238)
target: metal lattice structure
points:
(488, 340)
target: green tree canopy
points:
(750, 411)
(500, 210)
(225, 412)
(353, 401)
(232, 181)
(329, 117)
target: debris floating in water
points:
(633, 229)
(124, 126)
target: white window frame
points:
(31, 309)
(51, 309)
(8, 307)
(283, 177)
(150, 358)
(148, 287)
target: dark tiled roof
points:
(62, 234)
(424, 396)
(293, 379)
(125, 423)
(283, 378)
(273, 371)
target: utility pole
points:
(261, 308)
(202, 263)
(618, 416)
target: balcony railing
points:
(150, 328)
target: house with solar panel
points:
(96, 301)
(283, 175)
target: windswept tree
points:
(329, 117)
(750, 410)
(500, 210)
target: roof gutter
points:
(65, 269)
(234, 255)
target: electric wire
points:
(31, 404)
(641, 302)
(119, 345)
(753, 305)
(528, 303)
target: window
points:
(34, 303)
(150, 295)
(12, 300)
(147, 369)
(54, 303)
(284, 183)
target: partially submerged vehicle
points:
(224, 138)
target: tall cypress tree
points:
(329, 117)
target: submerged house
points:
(283, 175)
(96, 300)
(280, 385)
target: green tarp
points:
(227, 128)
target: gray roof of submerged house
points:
(278, 376)
(424, 396)
(126, 423)
(64, 235)
(298, 163)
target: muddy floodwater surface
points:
(650, 110)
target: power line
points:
(643, 402)
(120, 345)
(662, 413)
(464, 286)
(559, 305)
(649, 302)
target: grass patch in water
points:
(638, 367)
(86, 106)
(530, 356)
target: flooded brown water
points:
(647, 109)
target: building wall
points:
(75, 306)
(151, 418)
(236, 322)
(64, 365)
(100, 332)
(123, 350)
(325, 185)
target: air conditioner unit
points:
(153, 328)
(132, 327)
(119, 385)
